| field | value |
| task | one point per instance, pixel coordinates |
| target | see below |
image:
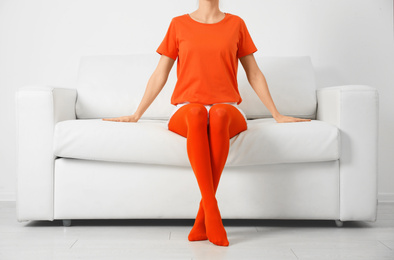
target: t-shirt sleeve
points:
(245, 44)
(169, 45)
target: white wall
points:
(350, 42)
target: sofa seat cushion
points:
(150, 142)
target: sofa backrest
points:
(113, 86)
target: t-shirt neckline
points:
(225, 17)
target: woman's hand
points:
(287, 119)
(132, 118)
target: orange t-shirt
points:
(207, 58)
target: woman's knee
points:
(197, 114)
(225, 118)
(219, 114)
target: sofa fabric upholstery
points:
(150, 142)
(354, 109)
(38, 109)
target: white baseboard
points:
(382, 197)
(385, 197)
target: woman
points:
(208, 44)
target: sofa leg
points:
(66, 222)
(338, 223)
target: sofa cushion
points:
(113, 86)
(150, 142)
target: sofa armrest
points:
(38, 109)
(354, 110)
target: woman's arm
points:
(259, 85)
(155, 85)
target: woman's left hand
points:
(288, 119)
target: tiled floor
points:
(167, 239)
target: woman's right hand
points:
(132, 118)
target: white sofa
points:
(73, 165)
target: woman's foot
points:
(217, 234)
(198, 231)
(214, 231)
(214, 228)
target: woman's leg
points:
(225, 121)
(190, 121)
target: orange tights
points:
(207, 149)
